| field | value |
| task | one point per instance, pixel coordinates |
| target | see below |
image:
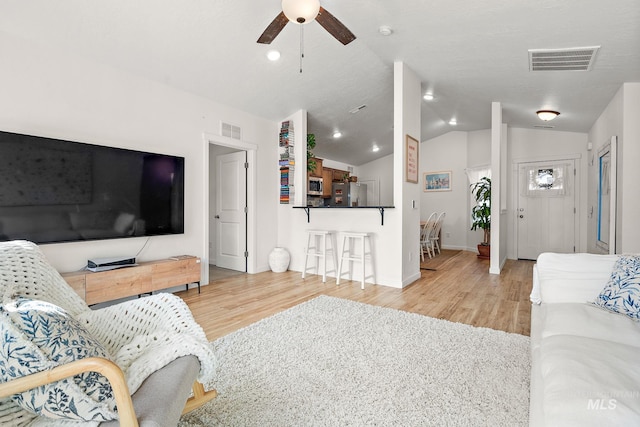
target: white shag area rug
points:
(334, 362)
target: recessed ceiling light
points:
(273, 55)
(453, 122)
(337, 134)
(385, 30)
(428, 96)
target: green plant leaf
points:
(481, 212)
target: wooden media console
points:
(143, 278)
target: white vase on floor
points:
(279, 260)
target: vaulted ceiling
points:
(467, 53)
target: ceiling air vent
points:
(231, 131)
(358, 109)
(570, 59)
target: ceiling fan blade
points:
(334, 27)
(273, 29)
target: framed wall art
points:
(436, 181)
(412, 159)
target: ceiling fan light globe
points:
(301, 11)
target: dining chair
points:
(425, 233)
(434, 237)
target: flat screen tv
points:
(53, 190)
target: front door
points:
(231, 215)
(546, 214)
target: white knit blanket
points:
(142, 335)
(146, 334)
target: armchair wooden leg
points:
(199, 398)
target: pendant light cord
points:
(301, 46)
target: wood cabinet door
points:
(114, 284)
(327, 180)
(175, 272)
(338, 175)
(317, 172)
(76, 281)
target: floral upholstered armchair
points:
(62, 363)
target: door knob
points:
(521, 216)
(217, 217)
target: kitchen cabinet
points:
(327, 179)
(318, 170)
(328, 175)
(338, 175)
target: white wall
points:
(610, 123)
(447, 153)
(630, 154)
(619, 118)
(479, 154)
(56, 94)
(380, 170)
(479, 148)
(498, 217)
(396, 243)
(407, 101)
(334, 164)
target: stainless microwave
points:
(315, 186)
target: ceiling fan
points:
(303, 12)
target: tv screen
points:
(62, 191)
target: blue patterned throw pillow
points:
(38, 336)
(622, 293)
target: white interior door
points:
(231, 215)
(546, 214)
(373, 192)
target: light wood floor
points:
(461, 290)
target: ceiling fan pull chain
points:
(301, 46)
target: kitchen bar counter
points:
(307, 209)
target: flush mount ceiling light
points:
(546, 115)
(428, 96)
(375, 149)
(453, 122)
(337, 134)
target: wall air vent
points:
(570, 59)
(230, 131)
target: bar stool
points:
(348, 254)
(319, 250)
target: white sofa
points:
(585, 359)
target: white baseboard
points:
(460, 248)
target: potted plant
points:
(481, 214)
(311, 144)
